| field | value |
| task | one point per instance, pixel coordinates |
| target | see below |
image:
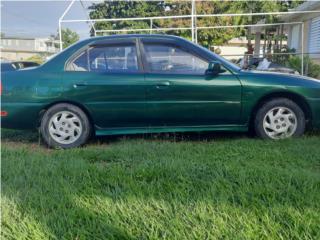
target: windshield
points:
(222, 59)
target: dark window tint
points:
(172, 59)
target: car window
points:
(113, 58)
(80, 63)
(172, 59)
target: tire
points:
(279, 118)
(65, 126)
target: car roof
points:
(138, 36)
(72, 49)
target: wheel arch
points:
(79, 105)
(296, 98)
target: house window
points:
(314, 36)
(295, 38)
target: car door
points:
(108, 80)
(180, 94)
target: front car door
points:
(107, 79)
(179, 93)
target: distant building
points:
(311, 22)
(16, 48)
(233, 49)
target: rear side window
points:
(80, 63)
(172, 59)
(113, 58)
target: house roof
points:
(309, 5)
(47, 39)
(17, 38)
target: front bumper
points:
(314, 104)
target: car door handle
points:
(162, 85)
(76, 85)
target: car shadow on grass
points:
(33, 136)
(20, 136)
(174, 137)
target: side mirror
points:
(214, 69)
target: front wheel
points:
(279, 119)
(65, 126)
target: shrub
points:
(36, 58)
(310, 68)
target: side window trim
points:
(172, 42)
(134, 42)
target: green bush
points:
(36, 58)
(310, 68)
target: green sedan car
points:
(130, 84)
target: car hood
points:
(282, 77)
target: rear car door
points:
(180, 94)
(108, 80)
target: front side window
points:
(172, 59)
(113, 58)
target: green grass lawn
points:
(183, 186)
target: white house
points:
(311, 29)
(16, 48)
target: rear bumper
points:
(314, 104)
(20, 116)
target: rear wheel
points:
(65, 126)
(279, 119)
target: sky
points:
(40, 18)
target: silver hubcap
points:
(280, 122)
(65, 127)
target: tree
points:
(206, 37)
(124, 9)
(68, 37)
(129, 9)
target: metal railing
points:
(193, 17)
